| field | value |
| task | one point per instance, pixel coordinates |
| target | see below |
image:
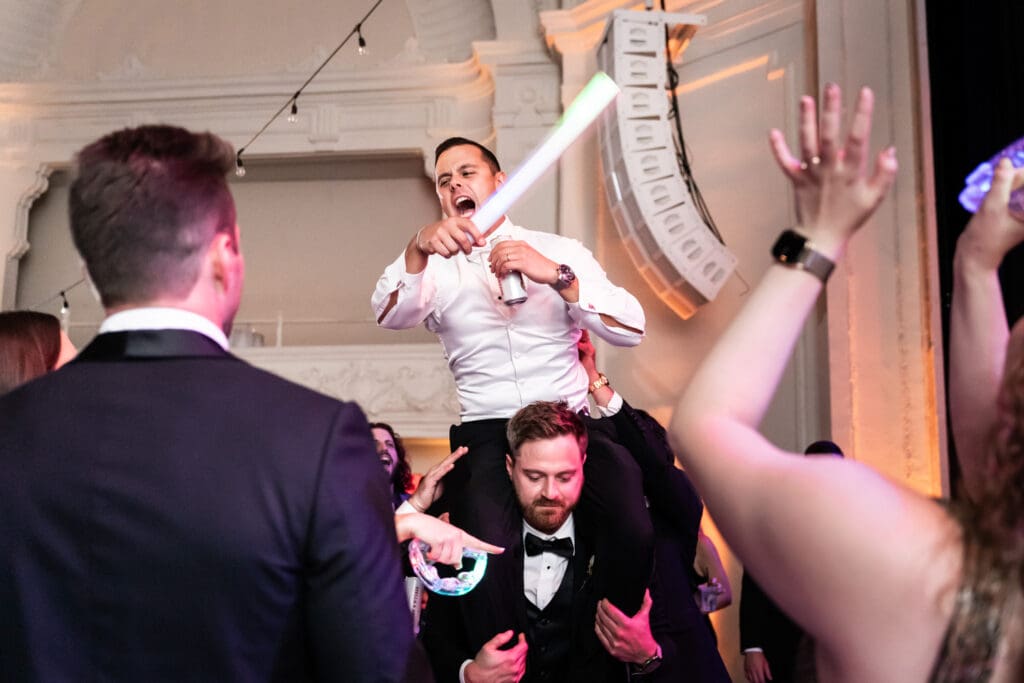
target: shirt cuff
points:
(613, 407)
(462, 670)
(405, 508)
(752, 649)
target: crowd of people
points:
(168, 512)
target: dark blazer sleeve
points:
(358, 621)
(444, 637)
(755, 614)
(667, 487)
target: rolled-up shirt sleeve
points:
(598, 296)
(415, 300)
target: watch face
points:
(565, 277)
(788, 247)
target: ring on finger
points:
(813, 161)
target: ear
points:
(500, 177)
(228, 265)
(508, 465)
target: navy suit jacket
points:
(170, 513)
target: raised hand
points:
(430, 487)
(995, 229)
(834, 193)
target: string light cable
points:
(291, 105)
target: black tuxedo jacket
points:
(764, 625)
(688, 645)
(452, 634)
(170, 513)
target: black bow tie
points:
(558, 546)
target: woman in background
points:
(31, 344)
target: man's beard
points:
(545, 515)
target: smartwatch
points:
(792, 249)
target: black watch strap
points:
(792, 249)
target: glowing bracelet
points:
(459, 584)
(584, 110)
(979, 182)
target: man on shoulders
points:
(504, 357)
(168, 512)
(553, 636)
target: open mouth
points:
(465, 206)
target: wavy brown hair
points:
(993, 537)
(401, 478)
(29, 347)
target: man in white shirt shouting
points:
(504, 357)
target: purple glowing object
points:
(980, 180)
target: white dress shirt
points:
(543, 574)
(505, 357)
(163, 318)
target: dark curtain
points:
(977, 89)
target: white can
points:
(513, 288)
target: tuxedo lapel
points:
(150, 344)
(522, 620)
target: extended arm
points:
(404, 294)
(810, 528)
(978, 327)
(667, 487)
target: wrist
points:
(416, 505)
(649, 663)
(597, 383)
(971, 256)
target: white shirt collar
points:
(567, 530)
(163, 318)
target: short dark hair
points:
(401, 478)
(543, 420)
(29, 347)
(824, 447)
(144, 204)
(492, 160)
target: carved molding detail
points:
(406, 385)
(435, 22)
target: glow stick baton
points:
(584, 110)
(979, 182)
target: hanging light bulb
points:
(294, 115)
(362, 41)
(239, 166)
(65, 312)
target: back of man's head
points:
(545, 420)
(824, 447)
(144, 204)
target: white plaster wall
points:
(184, 39)
(314, 248)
